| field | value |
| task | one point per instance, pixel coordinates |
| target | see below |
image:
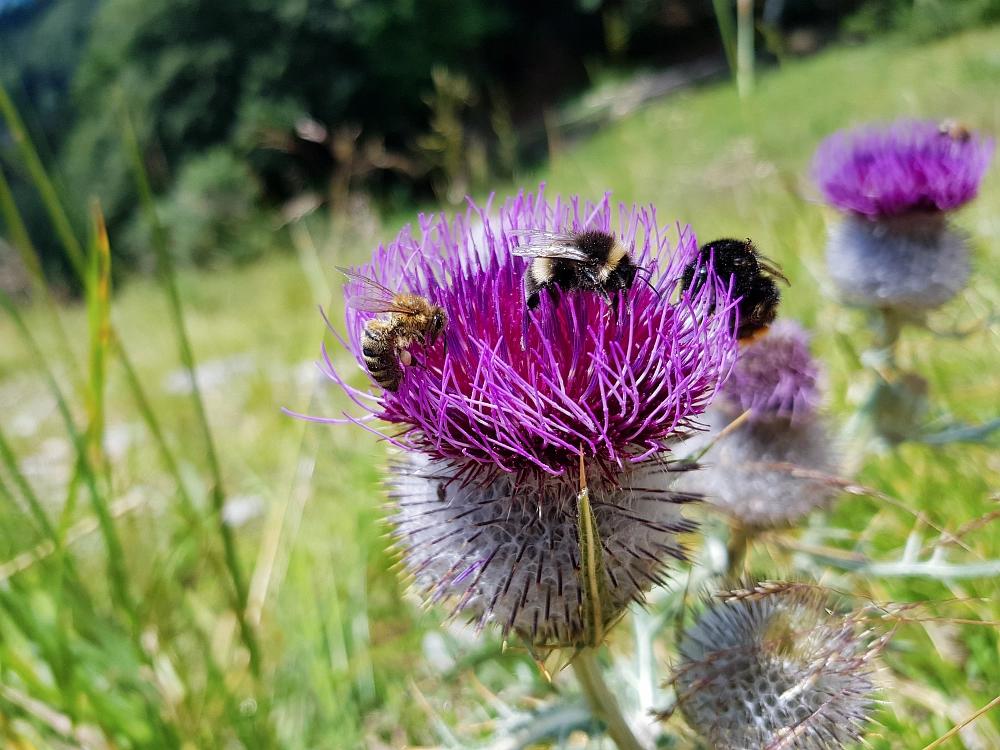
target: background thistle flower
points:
(893, 248)
(492, 426)
(908, 166)
(775, 378)
(775, 670)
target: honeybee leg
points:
(406, 358)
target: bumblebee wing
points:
(376, 298)
(772, 268)
(541, 244)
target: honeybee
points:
(957, 131)
(590, 261)
(752, 277)
(386, 343)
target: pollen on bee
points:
(405, 358)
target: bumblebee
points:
(385, 345)
(590, 261)
(752, 277)
(957, 131)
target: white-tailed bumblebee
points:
(411, 318)
(590, 261)
(752, 277)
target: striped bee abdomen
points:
(379, 353)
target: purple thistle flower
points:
(492, 421)
(522, 393)
(910, 165)
(775, 377)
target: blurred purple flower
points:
(775, 377)
(910, 165)
(522, 394)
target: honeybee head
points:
(438, 320)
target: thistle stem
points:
(736, 549)
(602, 702)
(888, 326)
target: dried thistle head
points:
(772, 668)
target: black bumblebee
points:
(593, 261)
(753, 280)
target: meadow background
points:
(183, 565)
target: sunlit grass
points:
(342, 646)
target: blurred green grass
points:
(342, 645)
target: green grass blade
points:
(117, 570)
(597, 607)
(98, 288)
(21, 240)
(9, 459)
(168, 279)
(60, 221)
(727, 30)
(153, 423)
(18, 232)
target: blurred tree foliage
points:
(41, 44)
(195, 75)
(407, 97)
(922, 19)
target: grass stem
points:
(168, 280)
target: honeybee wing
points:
(542, 244)
(376, 298)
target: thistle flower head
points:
(519, 392)
(910, 165)
(775, 377)
(775, 670)
(495, 420)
